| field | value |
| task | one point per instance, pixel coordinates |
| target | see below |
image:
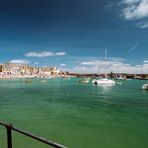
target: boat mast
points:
(105, 54)
(105, 58)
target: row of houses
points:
(19, 69)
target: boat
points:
(86, 80)
(43, 81)
(28, 81)
(104, 81)
(49, 77)
(66, 78)
(121, 77)
(145, 86)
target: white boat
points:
(66, 78)
(48, 77)
(145, 86)
(104, 81)
(86, 80)
(43, 81)
(121, 78)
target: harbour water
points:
(74, 114)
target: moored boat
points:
(104, 81)
(145, 86)
(28, 81)
(86, 80)
(43, 81)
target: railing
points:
(10, 127)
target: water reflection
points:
(106, 86)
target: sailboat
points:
(104, 81)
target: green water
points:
(74, 114)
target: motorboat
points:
(43, 81)
(28, 81)
(86, 80)
(145, 86)
(104, 81)
(121, 78)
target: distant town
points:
(12, 70)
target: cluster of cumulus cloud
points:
(42, 54)
(116, 66)
(135, 10)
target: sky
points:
(74, 34)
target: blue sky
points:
(73, 34)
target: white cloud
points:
(145, 61)
(44, 54)
(142, 25)
(36, 63)
(130, 1)
(138, 65)
(20, 61)
(110, 66)
(109, 5)
(39, 54)
(60, 53)
(88, 63)
(62, 65)
(134, 9)
(102, 62)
